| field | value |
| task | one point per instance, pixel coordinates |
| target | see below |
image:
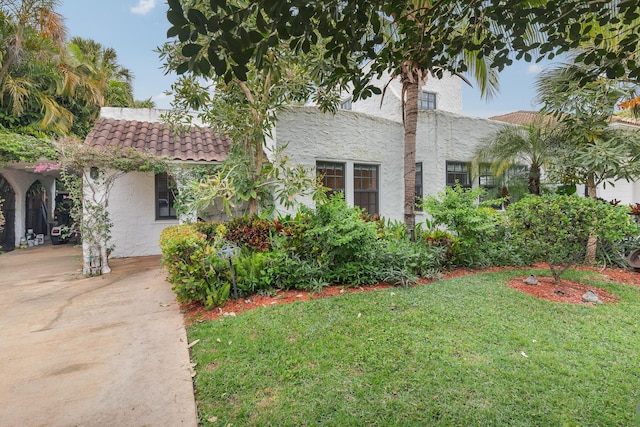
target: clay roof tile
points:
(158, 138)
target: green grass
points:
(449, 353)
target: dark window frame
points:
(452, 176)
(427, 101)
(165, 189)
(329, 180)
(486, 179)
(359, 191)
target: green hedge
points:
(193, 267)
(331, 245)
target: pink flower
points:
(45, 167)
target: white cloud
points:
(534, 69)
(144, 7)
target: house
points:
(358, 153)
(141, 205)
(627, 192)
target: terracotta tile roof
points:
(196, 144)
(625, 120)
(521, 117)
(528, 117)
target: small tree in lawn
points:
(555, 228)
(586, 149)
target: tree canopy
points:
(432, 38)
(49, 84)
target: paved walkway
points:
(101, 351)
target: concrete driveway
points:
(101, 351)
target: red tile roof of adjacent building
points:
(521, 117)
(527, 117)
(625, 120)
(160, 139)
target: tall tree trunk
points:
(592, 242)
(534, 179)
(411, 87)
(259, 159)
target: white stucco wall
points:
(152, 115)
(626, 192)
(448, 92)
(347, 137)
(443, 137)
(20, 180)
(135, 232)
(353, 137)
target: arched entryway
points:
(36, 209)
(7, 234)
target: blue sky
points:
(135, 28)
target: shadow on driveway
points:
(98, 351)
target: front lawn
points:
(468, 351)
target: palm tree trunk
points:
(411, 87)
(534, 180)
(592, 242)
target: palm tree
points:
(515, 145)
(31, 41)
(114, 80)
(412, 79)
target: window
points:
(486, 179)
(419, 186)
(427, 101)
(458, 173)
(332, 175)
(365, 187)
(165, 197)
(346, 104)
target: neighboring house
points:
(624, 191)
(141, 205)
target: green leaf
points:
(175, 5)
(199, 20)
(182, 68)
(177, 18)
(191, 50)
(173, 32)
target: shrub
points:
(213, 230)
(618, 230)
(194, 269)
(476, 227)
(252, 232)
(555, 228)
(338, 238)
(252, 273)
(287, 270)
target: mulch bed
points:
(568, 292)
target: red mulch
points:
(568, 292)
